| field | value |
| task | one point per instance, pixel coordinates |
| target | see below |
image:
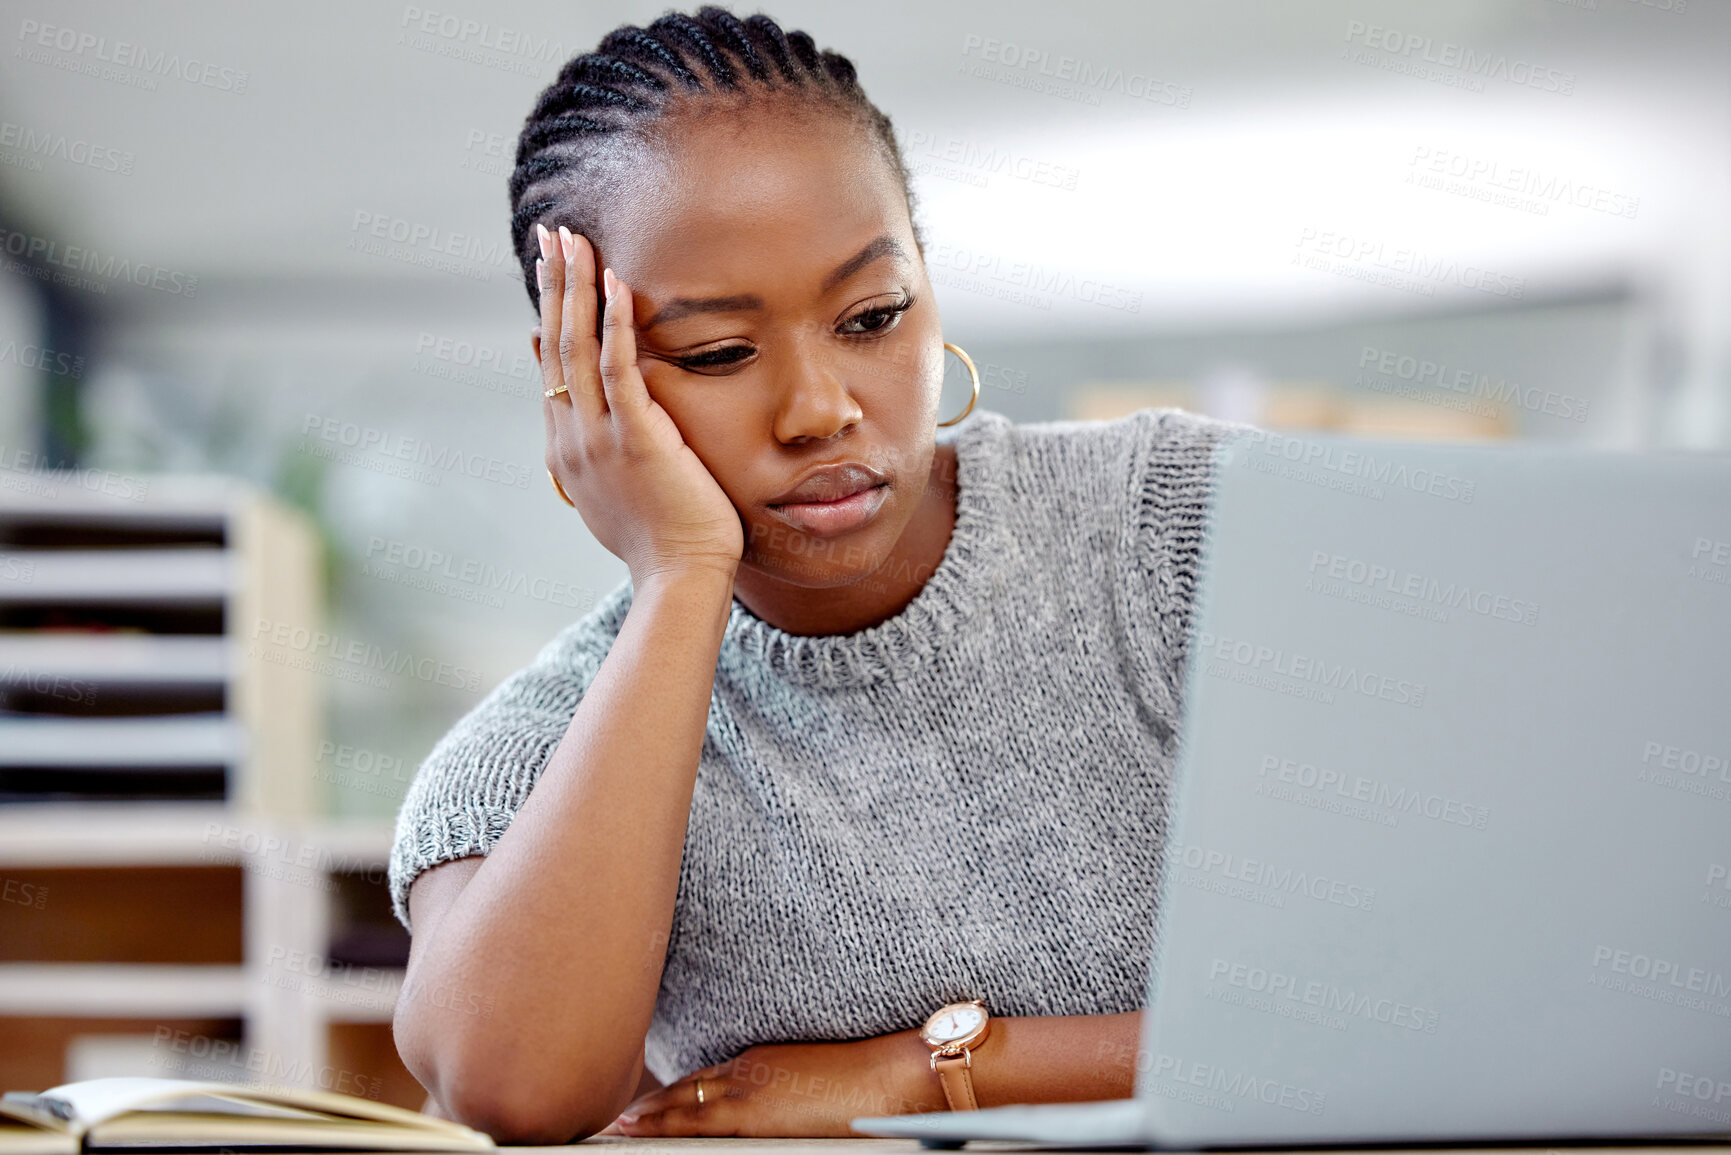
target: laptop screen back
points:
(1452, 812)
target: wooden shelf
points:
(111, 743)
(58, 834)
(170, 500)
(112, 659)
(123, 990)
(193, 573)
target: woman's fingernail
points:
(609, 282)
(567, 246)
(628, 1117)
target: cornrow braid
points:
(605, 101)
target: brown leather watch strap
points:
(956, 1076)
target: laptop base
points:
(1102, 1123)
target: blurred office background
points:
(252, 254)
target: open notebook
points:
(136, 1114)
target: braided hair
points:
(587, 124)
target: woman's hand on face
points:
(793, 1090)
(618, 455)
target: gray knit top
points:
(967, 800)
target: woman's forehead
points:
(802, 203)
(757, 162)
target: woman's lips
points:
(829, 518)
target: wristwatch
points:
(953, 1032)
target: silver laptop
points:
(1451, 843)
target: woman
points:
(826, 763)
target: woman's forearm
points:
(562, 928)
(1044, 1059)
(816, 1089)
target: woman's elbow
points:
(516, 1117)
(485, 1090)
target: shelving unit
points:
(159, 811)
(284, 991)
(124, 664)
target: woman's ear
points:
(535, 343)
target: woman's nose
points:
(815, 402)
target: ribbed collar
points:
(957, 590)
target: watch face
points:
(955, 1022)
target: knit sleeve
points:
(1171, 489)
(470, 786)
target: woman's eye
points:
(861, 324)
(879, 319)
(716, 358)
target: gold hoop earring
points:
(973, 373)
(560, 490)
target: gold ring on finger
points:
(560, 490)
(700, 1092)
(555, 391)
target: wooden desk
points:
(633, 1146)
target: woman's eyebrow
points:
(884, 245)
